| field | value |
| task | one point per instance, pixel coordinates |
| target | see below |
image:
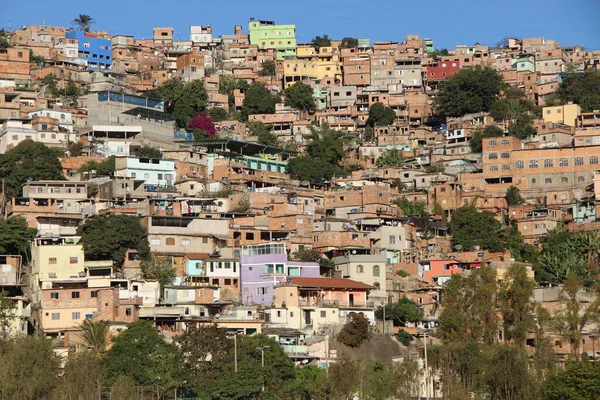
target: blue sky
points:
(448, 22)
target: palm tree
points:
(95, 334)
(84, 22)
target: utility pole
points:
(426, 368)
(235, 351)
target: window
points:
(94, 293)
(392, 239)
(533, 163)
(323, 314)
(593, 160)
(519, 164)
(170, 242)
(564, 180)
(580, 179)
(578, 161)
(186, 242)
(52, 260)
(73, 260)
(564, 162)
(128, 312)
(155, 242)
(548, 163)
(279, 269)
(492, 143)
(376, 270)
(261, 290)
(548, 180)
(505, 167)
(360, 269)
(269, 268)
(505, 155)
(534, 181)
(505, 142)
(75, 295)
(55, 316)
(493, 168)
(493, 156)
(293, 271)
(76, 315)
(54, 295)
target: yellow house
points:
(566, 114)
(312, 64)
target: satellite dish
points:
(353, 251)
(217, 249)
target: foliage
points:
(514, 103)
(513, 196)
(469, 91)
(95, 335)
(389, 159)
(243, 205)
(355, 331)
(228, 84)
(148, 152)
(577, 381)
(108, 237)
(342, 375)
(402, 312)
(191, 101)
(321, 41)
(170, 91)
(514, 297)
(519, 250)
(258, 100)
(135, 353)
(325, 151)
(267, 68)
(124, 388)
(307, 255)
(439, 53)
(369, 134)
(28, 161)
(264, 134)
(349, 43)
(417, 207)
(434, 169)
(84, 22)
(7, 313)
(75, 148)
(404, 337)
(471, 228)
(381, 115)
(582, 89)
(83, 377)
(217, 114)
(311, 383)
(159, 268)
(300, 96)
(29, 359)
(402, 273)
(16, 236)
(202, 124)
(4, 43)
(104, 168)
(522, 128)
(488, 132)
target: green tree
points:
(417, 207)
(148, 152)
(263, 134)
(321, 41)
(513, 196)
(471, 228)
(228, 85)
(577, 381)
(16, 236)
(84, 22)
(83, 377)
(258, 100)
(217, 114)
(582, 89)
(307, 255)
(402, 312)
(96, 169)
(514, 297)
(311, 169)
(389, 159)
(300, 96)
(355, 331)
(439, 53)
(243, 205)
(342, 375)
(267, 68)
(135, 352)
(349, 43)
(28, 161)
(75, 148)
(522, 128)
(7, 314)
(381, 115)
(469, 91)
(29, 359)
(124, 388)
(192, 101)
(161, 269)
(311, 383)
(108, 237)
(170, 92)
(95, 335)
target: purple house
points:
(263, 266)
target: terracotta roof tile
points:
(339, 283)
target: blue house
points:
(95, 51)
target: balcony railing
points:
(310, 302)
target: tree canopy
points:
(16, 236)
(471, 228)
(389, 159)
(513, 196)
(582, 89)
(355, 331)
(202, 126)
(300, 96)
(488, 132)
(469, 91)
(321, 41)
(263, 133)
(218, 114)
(28, 161)
(349, 43)
(258, 100)
(84, 22)
(148, 152)
(183, 100)
(267, 68)
(381, 115)
(108, 237)
(403, 311)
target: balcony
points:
(295, 349)
(311, 302)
